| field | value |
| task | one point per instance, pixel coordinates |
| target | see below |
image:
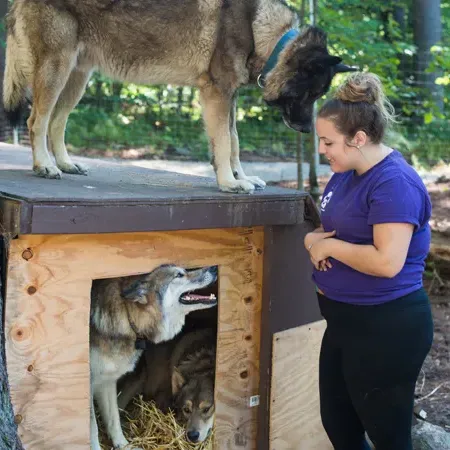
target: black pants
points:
(370, 360)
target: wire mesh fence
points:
(167, 120)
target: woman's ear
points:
(360, 139)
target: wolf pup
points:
(53, 46)
(178, 374)
(125, 311)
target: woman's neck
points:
(370, 155)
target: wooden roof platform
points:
(121, 198)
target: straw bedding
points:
(145, 426)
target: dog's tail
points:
(15, 83)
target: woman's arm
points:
(385, 258)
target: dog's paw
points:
(74, 169)
(51, 172)
(124, 445)
(256, 181)
(127, 447)
(237, 186)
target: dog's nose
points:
(306, 129)
(193, 436)
(213, 270)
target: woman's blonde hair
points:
(360, 103)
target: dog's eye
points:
(206, 410)
(186, 410)
(180, 275)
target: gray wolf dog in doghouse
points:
(180, 375)
(125, 313)
(53, 46)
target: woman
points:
(369, 257)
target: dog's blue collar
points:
(272, 61)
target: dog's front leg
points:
(106, 396)
(238, 171)
(95, 443)
(216, 107)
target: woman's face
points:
(333, 145)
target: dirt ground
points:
(433, 386)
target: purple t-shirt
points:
(391, 191)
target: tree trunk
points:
(427, 32)
(5, 131)
(299, 148)
(314, 159)
(8, 429)
(116, 89)
(179, 99)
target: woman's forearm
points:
(363, 258)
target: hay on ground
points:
(145, 426)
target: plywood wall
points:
(47, 325)
(295, 422)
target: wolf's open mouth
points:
(192, 299)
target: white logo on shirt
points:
(326, 200)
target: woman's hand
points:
(316, 236)
(313, 239)
(320, 251)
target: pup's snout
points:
(193, 436)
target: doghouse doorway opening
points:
(152, 421)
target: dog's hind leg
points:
(238, 171)
(133, 384)
(106, 396)
(216, 108)
(68, 99)
(49, 80)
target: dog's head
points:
(302, 75)
(194, 403)
(163, 298)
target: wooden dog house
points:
(62, 234)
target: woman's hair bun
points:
(361, 87)
(366, 87)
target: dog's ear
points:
(323, 62)
(177, 381)
(136, 289)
